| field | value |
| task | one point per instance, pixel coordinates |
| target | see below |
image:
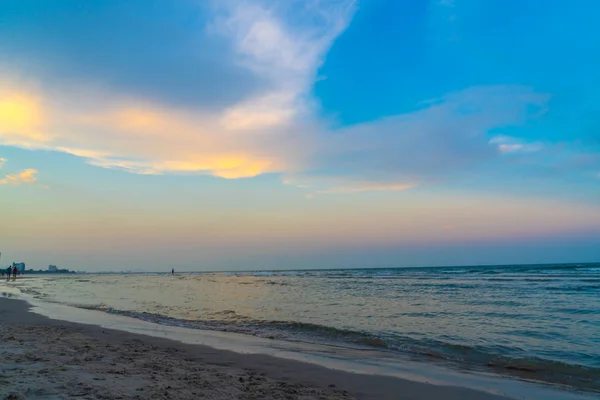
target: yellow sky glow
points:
(20, 115)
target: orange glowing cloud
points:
(133, 119)
(138, 136)
(25, 176)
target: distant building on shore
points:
(19, 266)
(52, 269)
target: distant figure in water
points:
(15, 273)
(172, 271)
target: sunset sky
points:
(264, 134)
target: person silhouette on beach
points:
(14, 273)
(172, 271)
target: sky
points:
(264, 134)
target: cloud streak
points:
(507, 145)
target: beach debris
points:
(15, 396)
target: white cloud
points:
(507, 144)
(447, 135)
(287, 54)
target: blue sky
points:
(265, 134)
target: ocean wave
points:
(497, 358)
(589, 269)
(575, 311)
(573, 288)
(500, 279)
(427, 272)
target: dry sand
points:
(47, 359)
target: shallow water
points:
(541, 321)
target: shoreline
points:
(510, 369)
(46, 357)
(404, 372)
(509, 377)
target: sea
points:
(533, 322)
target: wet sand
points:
(41, 358)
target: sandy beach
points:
(43, 358)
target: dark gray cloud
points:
(148, 48)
